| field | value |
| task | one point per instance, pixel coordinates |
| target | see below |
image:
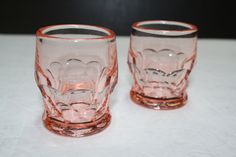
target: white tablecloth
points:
(205, 127)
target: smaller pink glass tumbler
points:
(161, 57)
(76, 71)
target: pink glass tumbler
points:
(76, 71)
(161, 57)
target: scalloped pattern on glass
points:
(76, 78)
(161, 62)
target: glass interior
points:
(172, 28)
(160, 26)
(76, 31)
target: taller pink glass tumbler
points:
(76, 71)
(161, 57)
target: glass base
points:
(158, 104)
(77, 129)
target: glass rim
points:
(189, 28)
(41, 32)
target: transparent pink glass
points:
(76, 71)
(161, 57)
